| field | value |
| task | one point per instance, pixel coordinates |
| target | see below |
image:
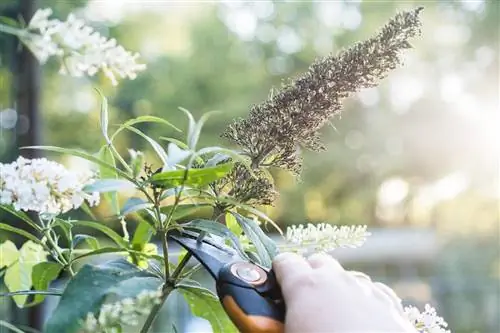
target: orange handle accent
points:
(250, 324)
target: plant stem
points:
(180, 266)
(60, 257)
(119, 157)
(163, 235)
(12, 31)
(167, 289)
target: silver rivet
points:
(248, 274)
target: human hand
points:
(322, 297)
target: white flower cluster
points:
(43, 186)
(325, 237)
(427, 321)
(126, 312)
(81, 49)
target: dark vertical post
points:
(28, 91)
(27, 100)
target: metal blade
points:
(211, 256)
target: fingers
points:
(289, 269)
(320, 260)
(390, 294)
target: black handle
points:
(251, 298)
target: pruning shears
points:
(248, 292)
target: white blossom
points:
(325, 237)
(81, 49)
(43, 186)
(125, 312)
(427, 321)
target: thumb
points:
(290, 270)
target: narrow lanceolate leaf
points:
(106, 155)
(41, 275)
(18, 275)
(104, 117)
(195, 135)
(143, 119)
(156, 146)
(133, 205)
(104, 229)
(217, 229)
(194, 177)
(248, 209)
(183, 211)
(204, 304)
(191, 125)
(265, 246)
(11, 327)
(19, 231)
(88, 289)
(91, 241)
(84, 155)
(109, 185)
(142, 234)
(20, 215)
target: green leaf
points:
(104, 229)
(194, 178)
(173, 140)
(245, 161)
(106, 155)
(187, 192)
(18, 231)
(18, 275)
(182, 211)
(132, 287)
(10, 326)
(109, 185)
(9, 254)
(142, 234)
(247, 208)
(191, 124)
(205, 305)
(265, 246)
(106, 250)
(133, 205)
(84, 155)
(88, 289)
(136, 162)
(42, 274)
(218, 229)
(195, 135)
(232, 224)
(91, 241)
(10, 21)
(20, 215)
(104, 117)
(156, 146)
(65, 226)
(143, 119)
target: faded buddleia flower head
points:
(251, 189)
(126, 312)
(324, 237)
(292, 116)
(427, 321)
(81, 50)
(43, 186)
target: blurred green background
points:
(415, 158)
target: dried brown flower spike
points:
(275, 130)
